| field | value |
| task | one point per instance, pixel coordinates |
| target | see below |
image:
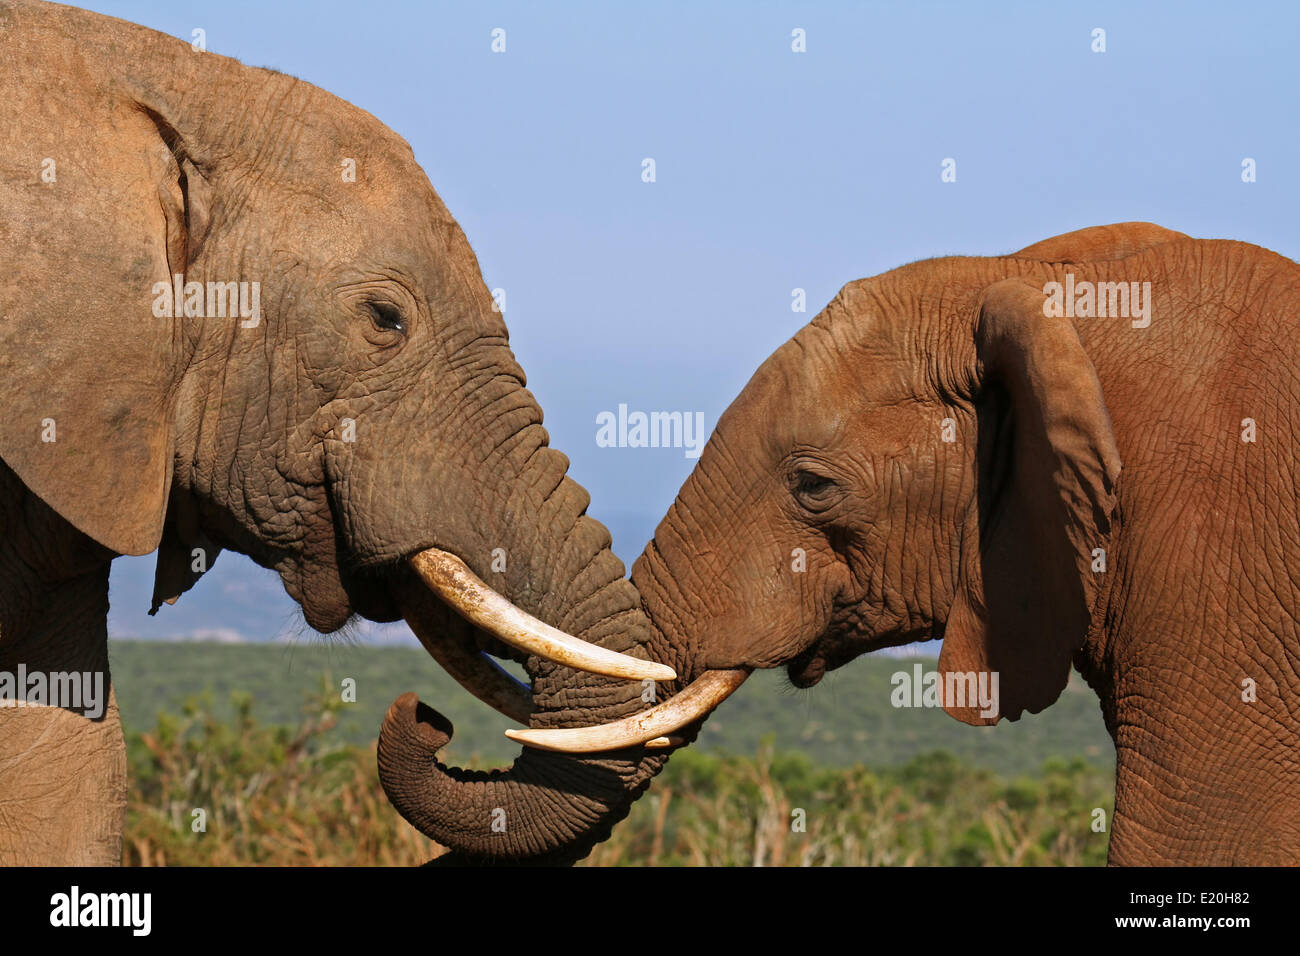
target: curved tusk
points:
(701, 696)
(466, 594)
(473, 670)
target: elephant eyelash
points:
(387, 318)
(809, 483)
(813, 491)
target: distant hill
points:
(237, 601)
(846, 720)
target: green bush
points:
(288, 796)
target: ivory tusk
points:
(473, 670)
(466, 594)
(702, 695)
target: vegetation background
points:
(259, 738)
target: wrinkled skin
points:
(1069, 435)
(373, 410)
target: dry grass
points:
(279, 796)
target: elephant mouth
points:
(807, 669)
(443, 582)
(839, 647)
(833, 649)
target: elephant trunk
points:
(547, 807)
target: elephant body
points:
(943, 459)
(1194, 646)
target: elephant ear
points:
(184, 554)
(1048, 466)
(89, 368)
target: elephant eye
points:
(387, 317)
(814, 491)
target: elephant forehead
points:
(828, 390)
(359, 231)
(790, 400)
(342, 171)
(854, 365)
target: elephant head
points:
(930, 457)
(243, 319)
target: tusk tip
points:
(557, 741)
(655, 727)
(659, 672)
(529, 739)
(448, 577)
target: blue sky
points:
(775, 170)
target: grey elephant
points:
(234, 314)
(1080, 454)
